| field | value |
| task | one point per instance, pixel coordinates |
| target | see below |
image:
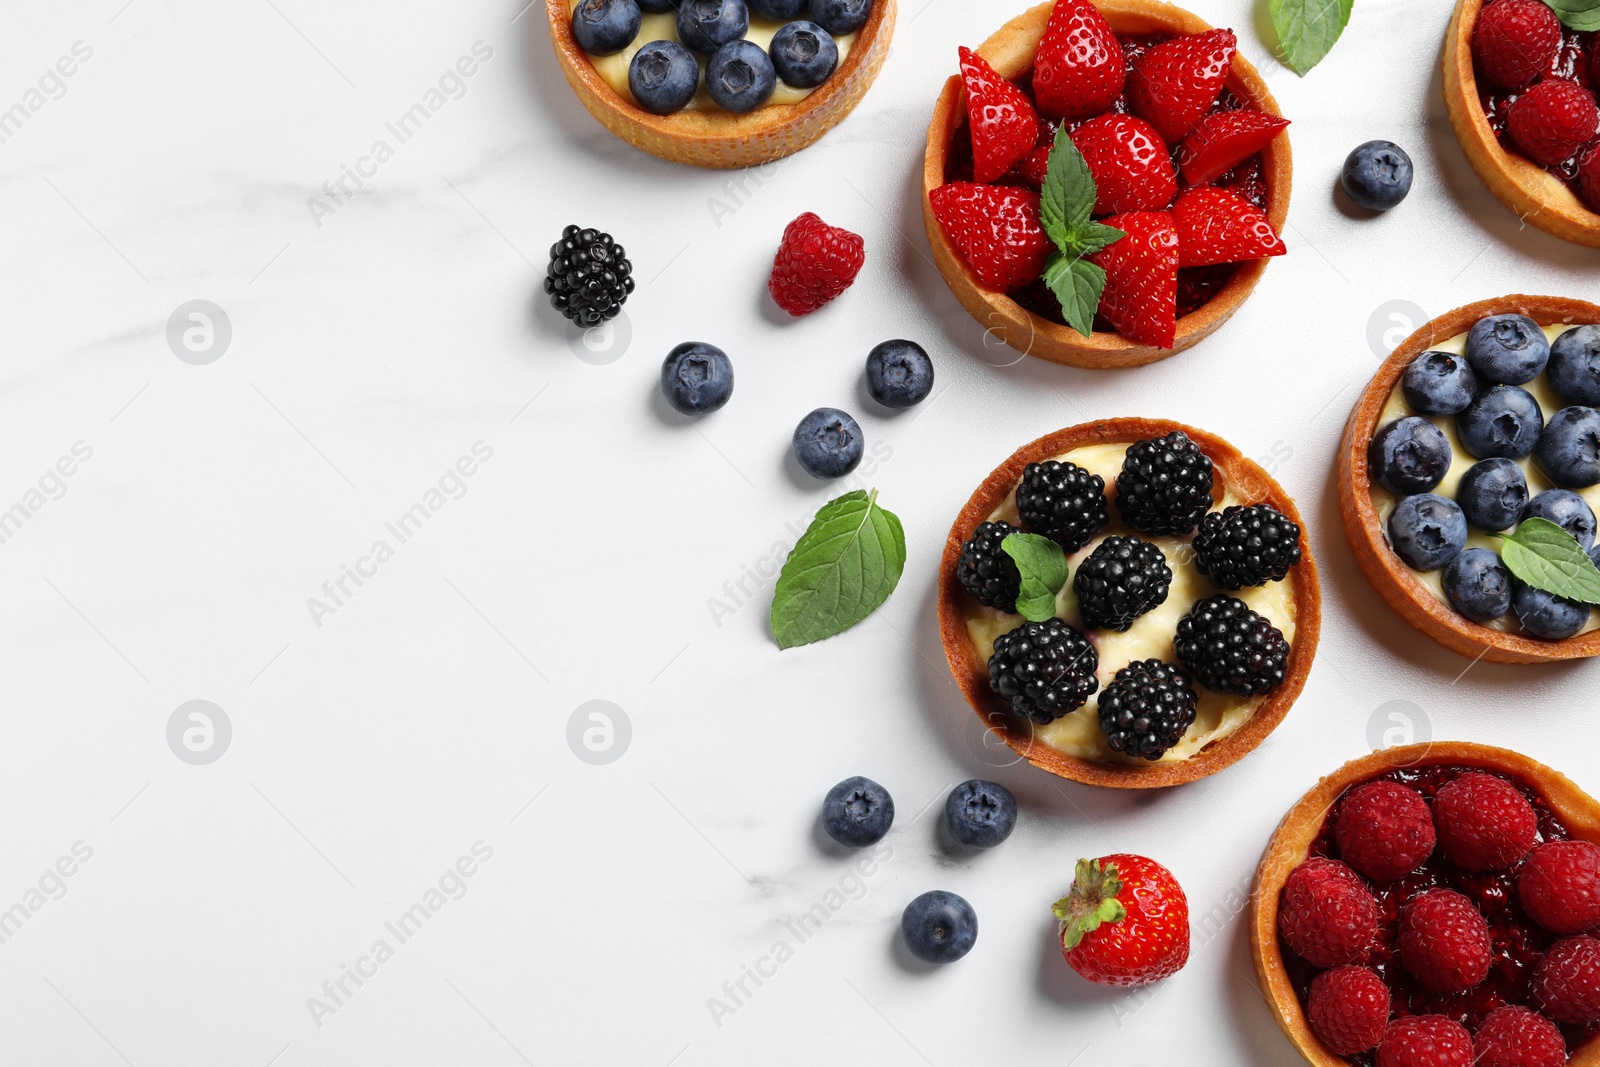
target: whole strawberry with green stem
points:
(1125, 921)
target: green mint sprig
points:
(1308, 29)
(1580, 15)
(1066, 207)
(1043, 566)
(843, 567)
(1547, 557)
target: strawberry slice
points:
(1036, 164)
(1223, 140)
(1004, 124)
(1215, 226)
(995, 229)
(1079, 70)
(1131, 167)
(1141, 294)
(1175, 83)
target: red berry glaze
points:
(1216, 226)
(1425, 1041)
(1079, 70)
(1518, 1037)
(1385, 830)
(1559, 886)
(1484, 823)
(1141, 294)
(1515, 42)
(1444, 941)
(1131, 167)
(1552, 120)
(995, 229)
(1175, 83)
(1003, 123)
(1328, 915)
(1125, 922)
(1348, 1009)
(1223, 140)
(815, 263)
(1566, 985)
(1588, 178)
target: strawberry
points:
(1125, 921)
(1552, 120)
(1079, 70)
(1035, 165)
(1216, 226)
(1132, 170)
(1223, 140)
(995, 229)
(815, 263)
(1004, 124)
(1141, 294)
(1515, 41)
(1175, 83)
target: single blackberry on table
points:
(1147, 708)
(1241, 546)
(1122, 579)
(1230, 649)
(1165, 485)
(985, 571)
(1044, 670)
(589, 276)
(1062, 501)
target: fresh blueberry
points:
(1439, 383)
(697, 378)
(605, 27)
(1493, 494)
(899, 374)
(1503, 420)
(857, 812)
(1427, 531)
(1574, 368)
(1409, 455)
(707, 25)
(840, 16)
(1478, 585)
(1569, 451)
(804, 54)
(1511, 349)
(663, 77)
(1547, 616)
(1377, 175)
(939, 927)
(980, 814)
(778, 10)
(740, 77)
(828, 443)
(1567, 510)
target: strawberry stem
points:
(1091, 903)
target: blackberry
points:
(1044, 670)
(1240, 546)
(1122, 579)
(1062, 501)
(985, 572)
(1147, 708)
(1165, 485)
(1230, 649)
(589, 276)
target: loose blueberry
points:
(1547, 616)
(804, 55)
(839, 17)
(1493, 494)
(899, 374)
(1377, 175)
(1567, 510)
(697, 378)
(707, 25)
(1503, 420)
(939, 927)
(857, 812)
(1478, 585)
(605, 27)
(663, 77)
(1427, 531)
(980, 814)
(778, 10)
(1439, 383)
(1409, 455)
(828, 443)
(1510, 349)
(1574, 367)
(1569, 450)
(740, 77)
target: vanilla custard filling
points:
(1217, 715)
(663, 26)
(1461, 460)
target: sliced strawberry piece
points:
(1004, 124)
(1175, 83)
(1141, 294)
(1033, 168)
(1215, 226)
(1079, 70)
(995, 229)
(1131, 167)
(1223, 140)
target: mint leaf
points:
(1580, 15)
(1043, 566)
(1067, 199)
(1078, 284)
(846, 564)
(1096, 236)
(1547, 557)
(1307, 29)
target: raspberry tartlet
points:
(1519, 90)
(1470, 422)
(1188, 157)
(1459, 950)
(1184, 615)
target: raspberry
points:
(1044, 670)
(1328, 915)
(1122, 579)
(1559, 886)
(1243, 546)
(1552, 120)
(1349, 1009)
(1165, 485)
(1062, 501)
(815, 263)
(1425, 1041)
(985, 571)
(1147, 708)
(1566, 983)
(1515, 41)
(1484, 822)
(1384, 830)
(1514, 1036)
(1230, 649)
(1444, 941)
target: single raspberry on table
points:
(1484, 823)
(1559, 886)
(1384, 830)
(1515, 41)
(815, 263)
(1566, 984)
(1552, 120)
(1444, 941)
(1328, 916)
(1425, 1041)
(1349, 1009)
(1514, 1036)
